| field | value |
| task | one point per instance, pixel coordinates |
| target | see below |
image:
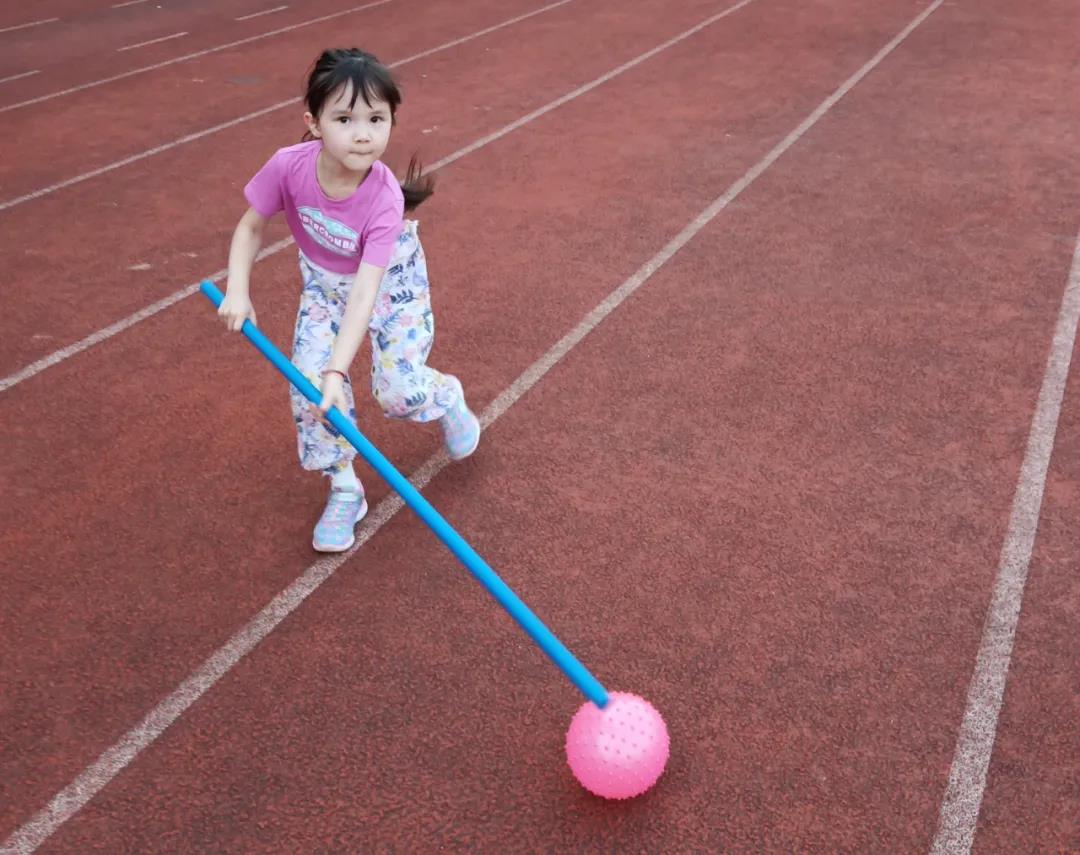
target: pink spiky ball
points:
(620, 751)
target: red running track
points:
(768, 492)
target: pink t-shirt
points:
(336, 234)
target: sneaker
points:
(334, 530)
(461, 429)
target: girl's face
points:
(354, 136)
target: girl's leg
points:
(405, 386)
(320, 446)
(402, 334)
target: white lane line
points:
(101, 335)
(31, 24)
(588, 87)
(83, 86)
(247, 117)
(20, 76)
(263, 12)
(153, 41)
(130, 321)
(75, 795)
(975, 741)
(127, 3)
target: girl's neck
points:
(336, 181)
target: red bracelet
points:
(344, 376)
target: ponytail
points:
(417, 186)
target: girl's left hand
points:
(333, 393)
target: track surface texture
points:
(771, 485)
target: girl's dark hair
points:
(370, 79)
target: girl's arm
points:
(350, 334)
(246, 241)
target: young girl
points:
(362, 268)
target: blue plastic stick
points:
(574, 670)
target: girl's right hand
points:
(236, 309)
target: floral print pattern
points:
(402, 331)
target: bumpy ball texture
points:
(618, 752)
